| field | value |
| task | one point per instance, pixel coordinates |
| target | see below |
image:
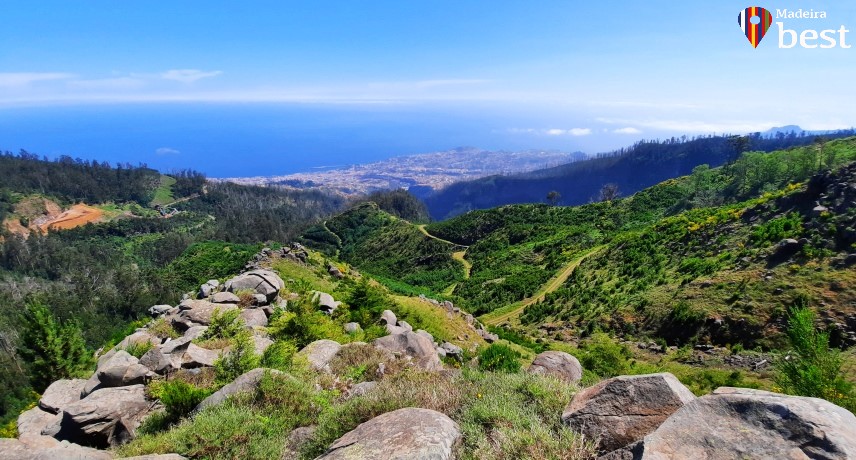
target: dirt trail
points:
(513, 311)
(77, 215)
(458, 255)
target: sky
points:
(307, 84)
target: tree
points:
(52, 349)
(609, 192)
(812, 368)
(553, 197)
(739, 144)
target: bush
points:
(500, 358)
(224, 325)
(279, 355)
(138, 349)
(52, 349)
(178, 397)
(605, 357)
(241, 359)
(813, 368)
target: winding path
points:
(513, 311)
(458, 255)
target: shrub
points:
(604, 356)
(138, 349)
(498, 357)
(367, 302)
(813, 368)
(178, 397)
(224, 325)
(242, 358)
(279, 355)
(52, 349)
(163, 329)
(246, 297)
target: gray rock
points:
(425, 334)
(352, 328)
(361, 389)
(388, 318)
(254, 317)
(200, 312)
(92, 385)
(61, 393)
(225, 297)
(263, 282)
(48, 448)
(122, 369)
(326, 302)
(205, 291)
(246, 383)
(452, 350)
(260, 299)
(176, 345)
(405, 325)
(195, 332)
(296, 440)
(737, 423)
(320, 353)
(196, 356)
(622, 410)
(261, 344)
(417, 346)
(558, 364)
(107, 417)
(410, 433)
(160, 310)
(160, 362)
(33, 422)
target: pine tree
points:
(52, 349)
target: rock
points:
(622, 410)
(393, 330)
(61, 393)
(361, 389)
(320, 353)
(260, 299)
(263, 282)
(174, 346)
(48, 448)
(205, 291)
(200, 312)
(558, 364)
(296, 440)
(122, 369)
(195, 332)
(335, 272)
(406, 326)
(246, 383)
(452, 350)
(417, 346)
(261, 344)
(254, 317)
(425, 334)
(410, 433)
(160, 362)
(92, 384)
(160, 310)
(196, 356)
(156, 457)
(743, 423)
(225, 297)
(352, 328)
(107, 417)
(388, 318)
(33, 422)
(326, 303)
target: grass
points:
(163, 194)
(435, 319)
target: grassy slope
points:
(163, 194)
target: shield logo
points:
(755, 22)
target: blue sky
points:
(593, 74)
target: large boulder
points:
(47, 448)
(622, 410)
(225, 297)
(410, 433)
(263, 282)
(122, 369)
(200, 312)
(417, 346)
(160, 362)
(558, 364)
(388, 318)
(320, 353)
(196, 356)
(246, 383)
(107, 417)
(60, 394)
(326, 302)
(34, 422)
(738, 423)
(254, 318)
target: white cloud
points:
(696, 126)
(552, 131)
(25, 78)
(627, 130)
(579, 131)
(555, 132)
(188, 75)
(109, 83)
(166, 151)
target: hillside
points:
(642, 165)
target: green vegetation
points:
(240, 359)
(178, 397)
(53, 349)
(813, 368)
(499, 358)
(163, 194)
(207, 260)
(604, 357)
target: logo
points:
(755, 22)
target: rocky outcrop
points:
(622, 410)
(558, 364)
(411, 433)
(737, 423)
(60, 394)
(122, 369)
(263, 282)
(320, 353)
(254, 318)
(48, 448)
(36, 422)
(225, 297)
(326, 302)
(411, 344)
(200, 312)
(246, 383)
(107, 417)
